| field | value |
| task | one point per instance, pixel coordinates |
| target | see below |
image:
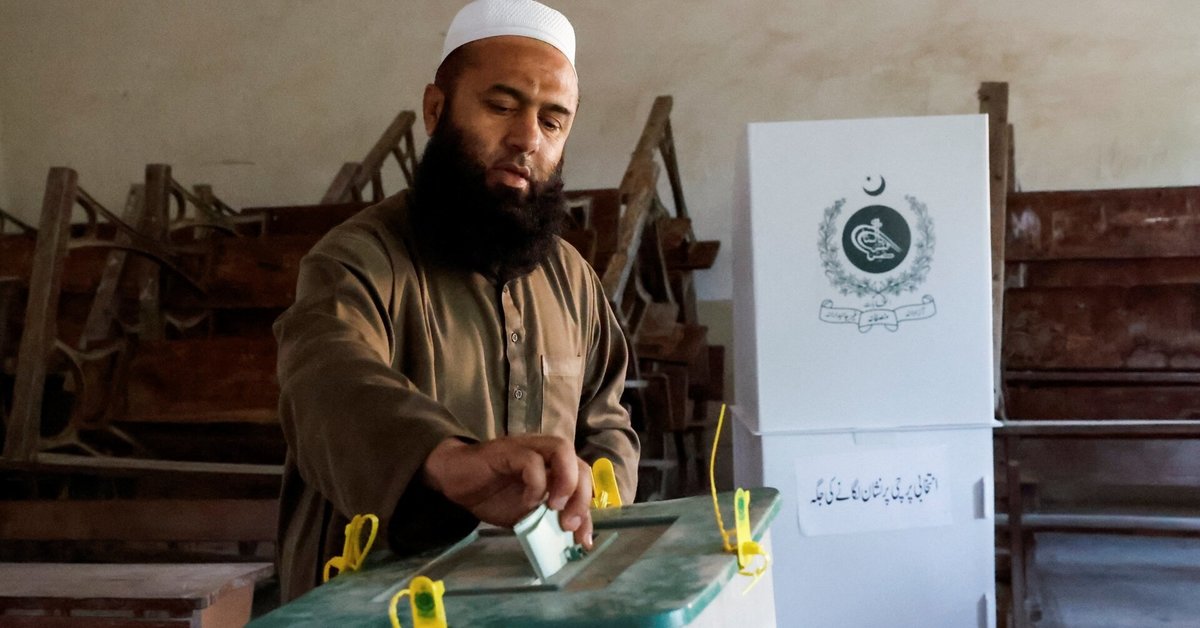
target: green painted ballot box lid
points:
(653, 564)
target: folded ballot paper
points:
(546, 545)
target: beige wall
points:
(265, 99)
(4, 202)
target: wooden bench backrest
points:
(1101, 304)
(1099, 325)
(243, 273)
(305, 219)
(1112, 462)
(184, 520)
(204, 380)
(1133, 223)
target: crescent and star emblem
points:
(879, 190)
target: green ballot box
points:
(653, 564)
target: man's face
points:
(514, 104)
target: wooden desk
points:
(50, 595)
(1140, 467)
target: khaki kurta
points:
(387, 352)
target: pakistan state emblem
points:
(877, 255)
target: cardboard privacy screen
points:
(862, 274)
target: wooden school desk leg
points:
(1016, 535)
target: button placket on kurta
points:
(519, 392)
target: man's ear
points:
(433, 106)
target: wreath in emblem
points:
(906, 281)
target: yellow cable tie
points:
(712, 483)
(392, 607)
(353, 554)
(425, 603)
(605, 491)
(746, 548)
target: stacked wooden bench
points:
(1096, 370)
(55, 343)
(1101, 356)
(183, 287)
(167, 446)
(645, 255)
(16, 252)
(248, 273)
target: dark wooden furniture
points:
(55, 334)
(162, 317)
(116, 547)
(142, 424)
(1111, 476)
(1103, 304)
(54, 595)
(141, 412)
(645, 254)
(396, 141)
(1100, 364)
(993, 101)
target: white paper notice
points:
(873, 489)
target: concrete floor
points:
(1103, 581)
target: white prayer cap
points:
(492, 18)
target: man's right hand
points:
(502, 480)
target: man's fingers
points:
(531, 467)
(564, 475)
(548, 468)
(576, 514)
(559, 456)
(583, 535)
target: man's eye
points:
(500, 107)
(550, 124)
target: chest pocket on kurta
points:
(562, 385)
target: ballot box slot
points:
(491, 560)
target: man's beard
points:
(494, 232)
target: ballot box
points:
(654, 564)
(863, 368)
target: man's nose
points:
(524, 133)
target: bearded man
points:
(449, 359)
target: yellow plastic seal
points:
(353, 552)
(744, 544)
(605, 492)
(747, 548)
(425, 601)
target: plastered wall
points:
(3, 180)
(266, 99)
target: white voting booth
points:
(862, 307)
